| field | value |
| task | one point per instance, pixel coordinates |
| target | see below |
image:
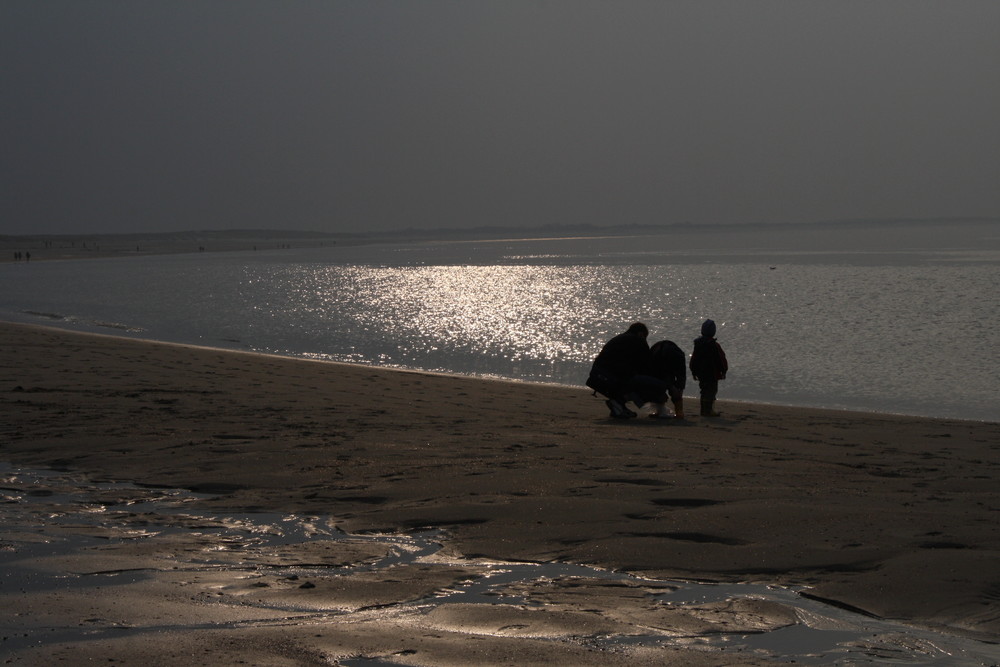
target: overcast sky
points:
(349, 115)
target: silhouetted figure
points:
(621, 372)
(708, 366)
(669, 363)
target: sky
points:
(375, 115)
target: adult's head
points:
(708, 329)
(638, 329)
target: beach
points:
(888, 516)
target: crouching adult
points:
(621, 372)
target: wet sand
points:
(894, 517)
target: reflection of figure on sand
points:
(622, 370)
(708, 366)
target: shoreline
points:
(855, 506)
(90, 331)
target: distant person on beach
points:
(708, 366)
(621, 372)
(669, 363)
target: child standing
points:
(708, 366)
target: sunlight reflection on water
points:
(893, 332)
(843, 336)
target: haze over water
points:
(891, 318)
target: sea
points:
(889, 317)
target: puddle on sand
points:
(33, 503)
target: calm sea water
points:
(896, 319)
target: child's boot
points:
(706, 408)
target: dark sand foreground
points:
(893, 516)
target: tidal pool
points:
(270, 566)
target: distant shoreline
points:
(99, 245)
(93, 246)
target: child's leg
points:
(677, 396)
(709, 390)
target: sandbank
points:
(44, 247)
